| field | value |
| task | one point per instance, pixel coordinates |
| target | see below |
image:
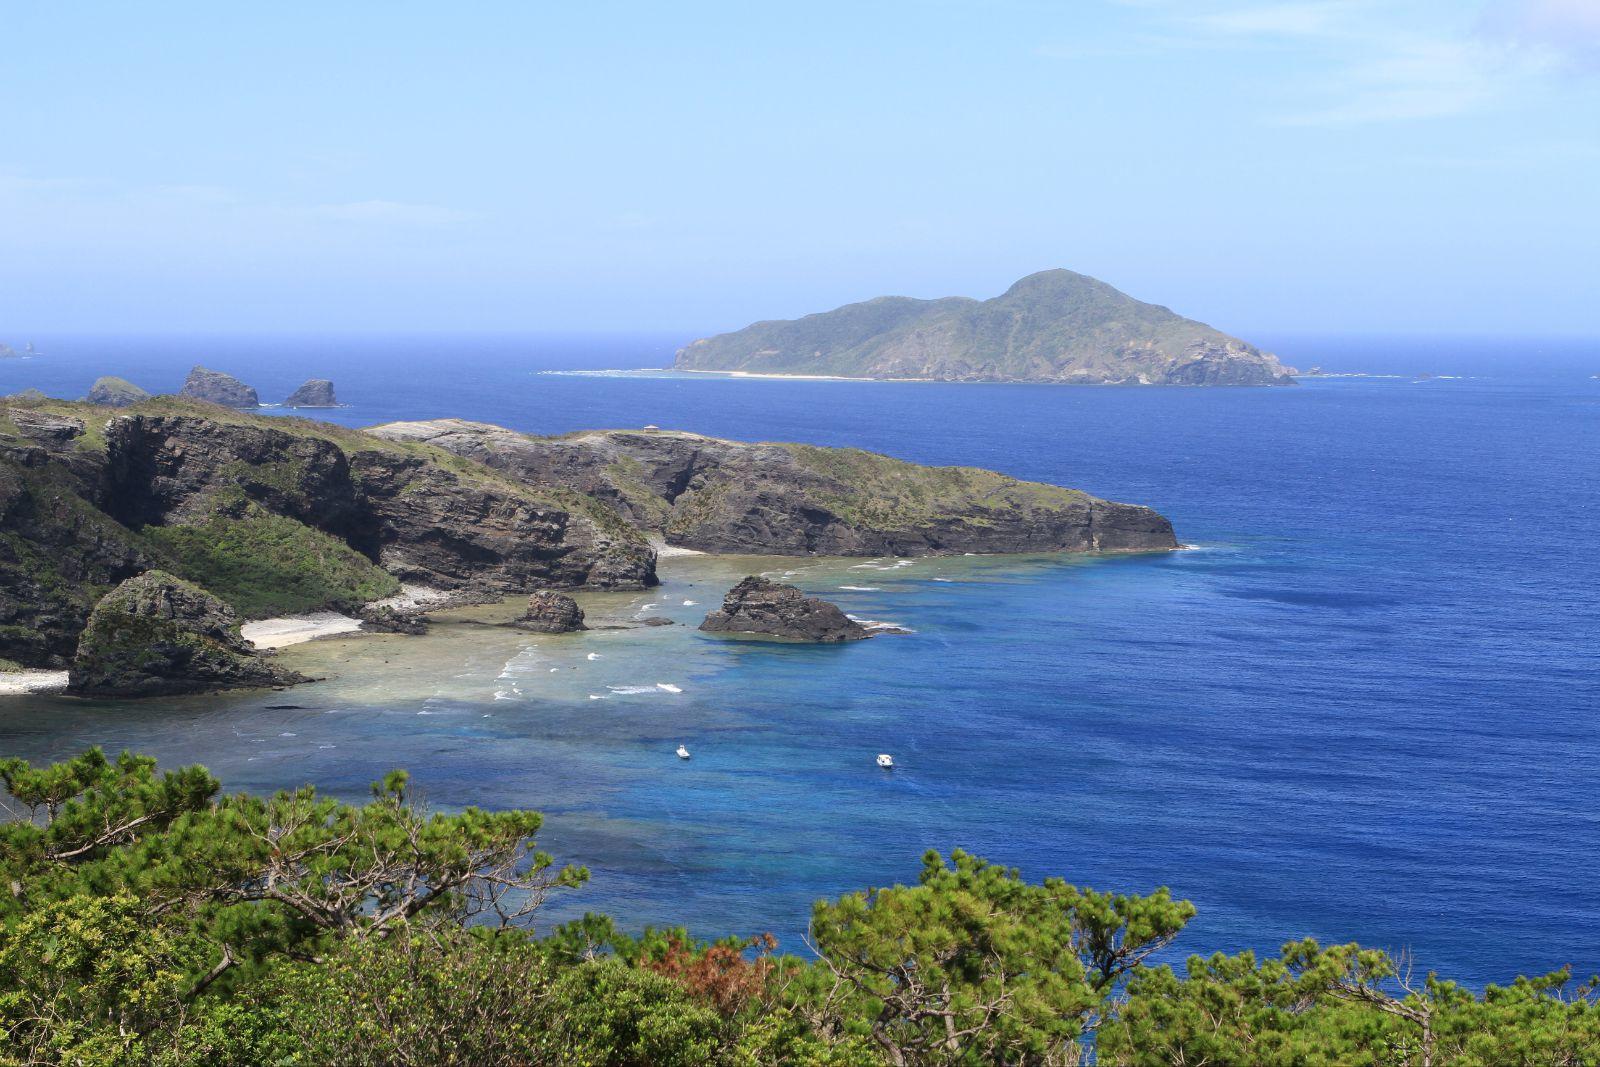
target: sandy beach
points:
(666, 551)
(18, 683)
(294, 629)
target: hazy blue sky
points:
(1347, 165)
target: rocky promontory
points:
(115, 392)
(278, 516)
(761, 607)
(551, 613)
(157, 635)
(315, 393)
(215, 387)
(714, 495)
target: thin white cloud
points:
(1277, 20)
(213, 201)
(393, 212)
(1367, 62)
(1412, 80)
(1568, 28)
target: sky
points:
(1310, 166)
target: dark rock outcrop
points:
(783, 499)
(157, 635)
(315, 393)
(551, 613)
(764, 608)
(58, 554)
(115, 393)
(217, 388)
(383, 619)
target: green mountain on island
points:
(1054, 326)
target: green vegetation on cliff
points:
(151, 919)
(265, 564)
(878, 490)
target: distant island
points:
(1054, 326)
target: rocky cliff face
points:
(726, 496)
(58, 551)
(763, 608)
(214, 387)
(423, 517)
(1054, 326)
(315, 393)
(93, 497)
(156, 635)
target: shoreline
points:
(772, 375)
(805, 377)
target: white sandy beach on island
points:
(294, 629)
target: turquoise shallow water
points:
(1363, 707)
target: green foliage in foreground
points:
(265, 564)
(150, 919)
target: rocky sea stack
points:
(315, 393)
(764, 608)
(115, 392)
(1054, 326)
(218, 388)
(157, 635)
(552, 613)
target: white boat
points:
(885, 760)
(683, 753)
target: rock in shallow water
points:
(383, 619)
(157, 635)
(765, 608)
(552, 613)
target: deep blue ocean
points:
(1364, 707)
